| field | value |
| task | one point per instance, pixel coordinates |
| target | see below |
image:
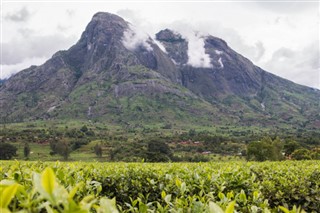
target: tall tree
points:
(158, 151)
(98, 150)
(61, 147)
(266, 149)
(26, 150)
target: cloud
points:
(134, 38)
(20, 16)
(301, 66)
(140, 24)
(9, 70)
(197, 56)
(25, 32)
(70, 12)
(17, 50)
(286, 7)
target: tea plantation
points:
(290, 186)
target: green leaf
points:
(243, 197)
(107, 206)
(183, 187)
(74, 190)
(163, 194)
(167, 198)
(48, 180)
(214, 208)
(5, 210)
(230, 207)
(143, 208)
(285, 210)
(178, 182)
(221, 195)
(7, 194)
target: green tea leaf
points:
(163, 194)
(7, 194)
(48, 180)
(5, 210)
(285, 210)
(214, 208)
(230, 207)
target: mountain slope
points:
(99, 78)
(111, 76)
(248, 91)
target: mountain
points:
(113, 75)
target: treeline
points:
(187, 146)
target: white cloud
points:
(302, 65)
(134, 38)
(20, 16)
(18, 49)
(9, 70)
(197, 56)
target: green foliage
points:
(158, 151)
(315, 154)
(301, 154)
(7, 151)
(142, 187)
(290, 147)
(46, 194)
(98, 150)
(26, 150)
(61, 147)
(266, 149)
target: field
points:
(171, 187)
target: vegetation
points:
(76, 140)
(7, 151)
(143, 187)
(98, 150)
(266, 149)
(26, 150)
(158, 151)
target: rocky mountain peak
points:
(104, 16)
(217, 43)
(103, 27)
(167, 35)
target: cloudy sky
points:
(280, 37)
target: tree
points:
(98, 150)
(301, 154)
(26, 150)
(158, 151)
(266, 149)
(84, 129)
(315, 154)
(290, 147)
(60, 147)
(7, 151)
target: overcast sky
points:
(280, 37)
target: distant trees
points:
(26, 150)
(60, 147)
(7, 151)
(98, 150)
(301, 154)
(158, 151)
(266, 149)
(290, 146)
(306, 154)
